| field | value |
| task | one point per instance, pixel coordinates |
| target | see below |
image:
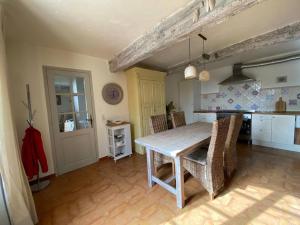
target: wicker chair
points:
(178, 119)
(158, 123)
(230, 157)
(207, 166)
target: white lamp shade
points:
(190, 72)
(204, 75)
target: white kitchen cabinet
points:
(262, 127)
(283, 129)
(205, 117)
(275, 131)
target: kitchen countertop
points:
(253, 112)
(222, 111)
(279, 113)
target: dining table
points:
(174, 143)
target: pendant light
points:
(204, 74)
(190, 72)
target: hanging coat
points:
(33, 153)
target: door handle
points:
(90, 120)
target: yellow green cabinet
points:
(146, 97)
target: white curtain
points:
(19, 198)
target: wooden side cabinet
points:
(119, 141)
(146, 97)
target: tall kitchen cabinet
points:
(146, 97)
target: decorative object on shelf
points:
(115, 122)
(119, 139)
(280, 105)
(190, 71)
(169, 109)
(112, 93)
(204, 74)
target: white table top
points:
(179, 140)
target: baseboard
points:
(293, 148)
(48, 177)
(103, 158)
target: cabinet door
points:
(152, 101)
(283, 129)
(261, 127)
(147, 106)
(195, 117)
(207, 117)
(159, 97)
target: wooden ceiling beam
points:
(176, 27)
(287, 33)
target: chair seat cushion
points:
(198, 156)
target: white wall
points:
(267, 75)
(25, 66)
(172, 88)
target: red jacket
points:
(33, 153)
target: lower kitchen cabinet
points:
(205, 117)
(283, 129)
(262, 127)
(275, 131)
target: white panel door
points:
(186, 100)
(283, 129)
(72, 118)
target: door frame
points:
(48, 106)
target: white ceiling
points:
(94, 27)
(257, 20)
(103, 28)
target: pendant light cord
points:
(189, 50)
(204, 66)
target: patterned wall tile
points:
(251, 96)
(230, 101)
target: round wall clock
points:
(112, 93)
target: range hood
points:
(237, 77)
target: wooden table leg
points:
(150, 166)
(179, 182)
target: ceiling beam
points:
(287, 33)
(176, 27)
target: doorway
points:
(71, 113)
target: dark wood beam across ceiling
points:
(177, 27)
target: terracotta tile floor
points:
(264, 190)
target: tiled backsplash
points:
(251, 96)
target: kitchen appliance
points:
(237, 76)
(245, 132)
